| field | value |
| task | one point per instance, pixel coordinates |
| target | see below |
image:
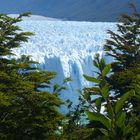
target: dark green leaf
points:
(95, 64)
(121, 119)
(127, 130)
(87, 96)
(104, 131)
(120, 103)
(91, 79)
(110, 110)
(106, 70)
(102, 64)
(105, 92)
(98, 102)
(68, 79)
(56, 86)
(99, 117)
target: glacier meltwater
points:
(66, 47)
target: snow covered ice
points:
(66, 47)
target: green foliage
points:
(123, 46)
(94, 116)
(73, 126)
(114, 120)
(27, 110)
(91, 79)
(120, 103)
(114, 99)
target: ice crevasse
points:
(66, 47)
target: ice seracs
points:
(67, 48)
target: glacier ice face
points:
(67, 48)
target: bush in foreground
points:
(27, 111)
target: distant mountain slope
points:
(91, 10)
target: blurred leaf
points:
(27, 14)
(104, 131)
(121, 119)
(93, 116)
(106, 70)
(110, 110)
(55, 87)
(102, 83)
(98, 102)
(67, 79)
(102, 64)
(137, 89)
(87, 96)
(128, 129)
(91, 79)
(120, 103)
(105, 91)
(95, 64)
(92, 91)
(61, 88)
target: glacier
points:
(67, 48)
